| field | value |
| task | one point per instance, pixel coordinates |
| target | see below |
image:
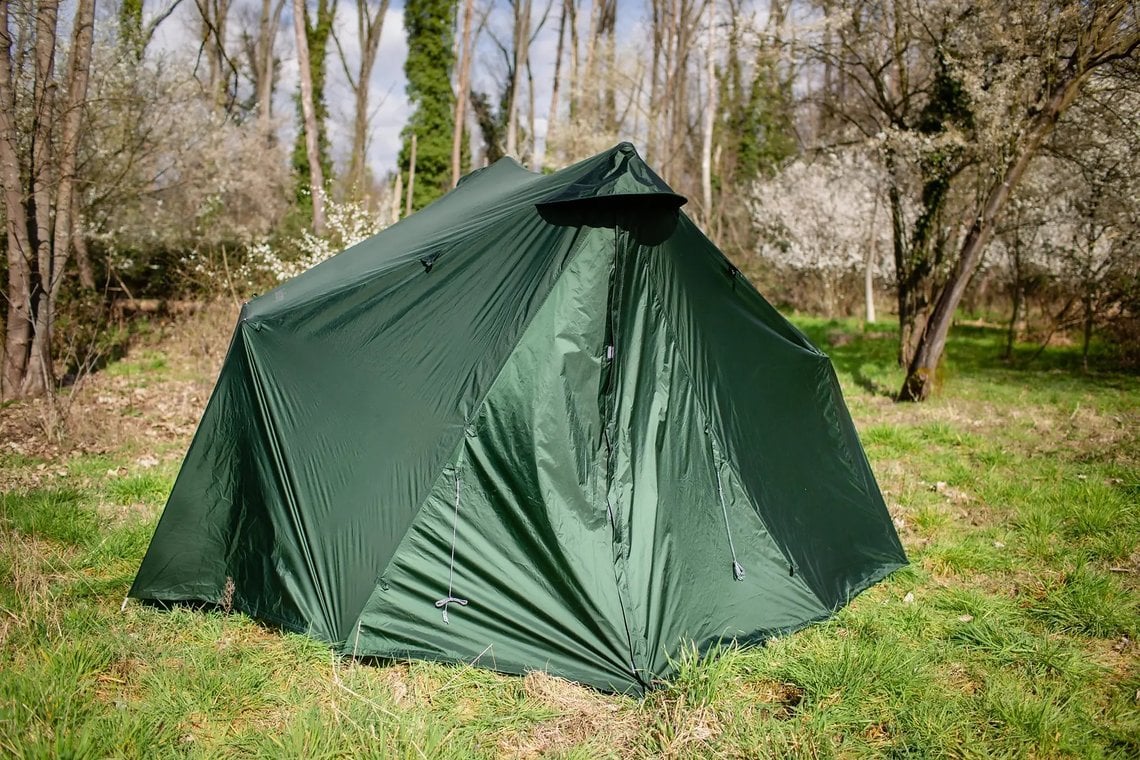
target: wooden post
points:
(411, 177)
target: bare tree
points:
(555, 87)
(521, 51)
(40, 224)
(369, 27)
(462, 89)
(316, 175)
(671, 129)
(710, 113)
(259, 52)
(221, 69)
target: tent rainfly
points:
(543, 424)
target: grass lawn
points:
(1016, 493)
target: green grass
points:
(1011, 634)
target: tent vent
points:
(442, 603)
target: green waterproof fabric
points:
(542, 424)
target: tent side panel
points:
(216, 540)
(683, 517)
(774, 404)
(531, 536)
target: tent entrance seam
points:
(610, 390)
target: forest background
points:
(939, 160)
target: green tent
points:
(542, 424)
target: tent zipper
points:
(609, 438)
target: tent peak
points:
(618, 172)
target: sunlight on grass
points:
(1016, 492)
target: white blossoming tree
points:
(826, 218)
(346, 224)
(963, 96)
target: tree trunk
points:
(369, 28)
(262, 63)
(316, 175)
(397, 192)
(608, 29)
(652, 116)
(531, 142)
(38, 365)
(710, 117)
(552, 118)
(921, 372)
(1015, 296)
(869, 265)
(82, 254)
(869, 283)
(1089, 313)
(411, 176)
(219, 68)
(18, 330)
(521, 49)
(575, 82)
(463, 86)
(36, 264)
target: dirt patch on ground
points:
(581, 715)
(147, 405)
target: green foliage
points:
(431, 57)
(755, 128)
(131, 28)
(490, 125)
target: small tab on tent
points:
(442, 603)
(609, 353)
(737, 570)
(429, 261)
(791, 571)
(732, 271)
